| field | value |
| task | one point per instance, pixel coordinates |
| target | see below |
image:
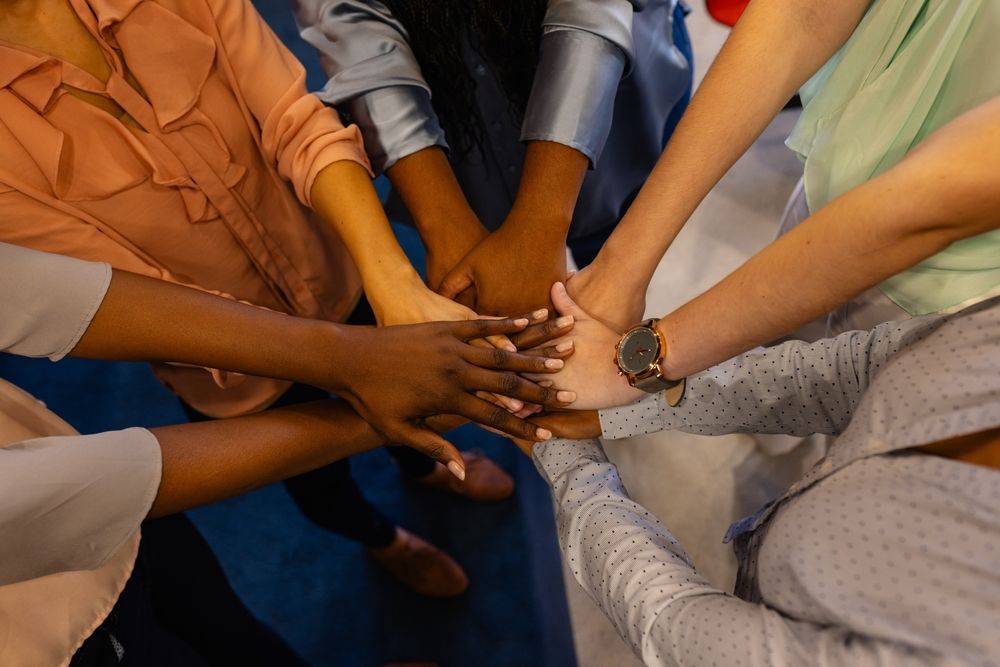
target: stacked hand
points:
(592, 375)
(509, 271)
(397, 377)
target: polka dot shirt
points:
(879, 555)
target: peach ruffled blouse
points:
(208, 182)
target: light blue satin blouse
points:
(609, 76)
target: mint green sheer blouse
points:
(910, 67)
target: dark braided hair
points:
(506, 33)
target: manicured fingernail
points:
(540, 314)
(566, 396)
(545, 383)
(565, 346)
(456, 470)
(554, 363)
(521, 322)
(543, 434)
(509, 347)
(514, 404)
(564, 321)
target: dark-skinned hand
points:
(510, 271)
(571, 425)
(400, 376)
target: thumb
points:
(433, 445)
(565, 304)
(457, 280)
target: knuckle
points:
(509, 383)
(496, 417)
(434, 450)
(500, 358)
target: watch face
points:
(638, 351)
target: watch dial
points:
(638, 350)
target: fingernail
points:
(554, 363)
(521, 322)
(539, 314)
(509, 347)
(545, 383)
(456, 470)
(566, 396)
(543, 434)
(515, 404)
(564, 321)
(565, 346)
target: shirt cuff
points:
(610, 20)
(555, 457)
(573, 95)
(345, 144)
(640, 418)
(396, 121)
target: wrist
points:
(537, 225)
(388, 283)
(326, 351)
(630, 270)
(451, 233)
(669, 367)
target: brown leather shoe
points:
(421, 567)
(484, 480)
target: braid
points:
(507, 34)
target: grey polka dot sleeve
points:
(795, 388)
(641, 578)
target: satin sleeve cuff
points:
(610, 20)
(395, 122)
(374, 77)
(573, 95)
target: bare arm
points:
(343, 195)
(447, 224)
(776, 46)
(945, 190)
(210, 461)
(393, 376)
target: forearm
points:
(428, 187)
(795, 388)
(210, 461)
(547, 193)
(144, 319)
(945, 190)
(343, 196)
(774, 49)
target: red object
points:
(727, 12)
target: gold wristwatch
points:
(638, 356)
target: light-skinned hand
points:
(592, 374)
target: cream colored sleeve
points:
(47, 301)
(68, 502)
